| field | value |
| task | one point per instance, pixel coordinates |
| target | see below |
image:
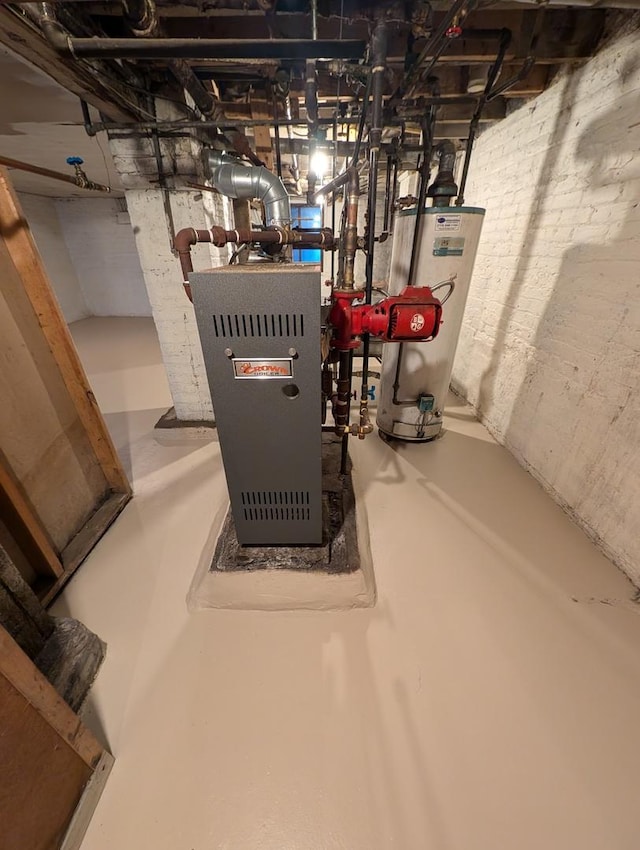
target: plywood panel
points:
(41, 777)
(38, 293)
(43, 437)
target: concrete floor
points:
(490, 700)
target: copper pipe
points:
(220, 237)
(274, 236)
(54, 175)
(346, 278)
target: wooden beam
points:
(27, 261)
(567, 35)
(25, 526)
(81, 545)
(25, 677)
(262, 135)
(21, 36)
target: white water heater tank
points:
(415, 375)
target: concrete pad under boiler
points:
(337, 575)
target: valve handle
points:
(75, 160)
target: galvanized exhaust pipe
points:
(236, 180)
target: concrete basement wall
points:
(102, 247)
(41, 213)
(550, 350)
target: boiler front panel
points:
(260, 333)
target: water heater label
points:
(448, 246)
(254, 368)
(449, 222)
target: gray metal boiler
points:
(260, 332)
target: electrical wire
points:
(142, 90)
(106, 167)
(450, 283)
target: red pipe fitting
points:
(414, 315)
(341, 319)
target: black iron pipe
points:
(362, 120)
(394, 190)
(343, 394)
(345, 372)
(207, 48)
(427, 148)
(334, 168)
(475, 120)
(144, 22)
(311, 98)
(387, 195)
(444, 188)
(427, 145)
(86, 118)
(521, 75)
(276, 133)
(431, 47)
(378, 70)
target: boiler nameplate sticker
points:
(449, 222)
(448, 246)
(254, 368)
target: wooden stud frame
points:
(29, 530)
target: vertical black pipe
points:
(333, 205)
(505, 40)
(343, 403)
(394, 191)
(427, 143)
(86, 118)
(427, 146)
(363, 115)
(387, 196)
(276, 133)
(378, 61)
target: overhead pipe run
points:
(191, 48)
(236, 180)
(142, 16)
(494, 71)
(447, 30)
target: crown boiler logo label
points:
(255, 368)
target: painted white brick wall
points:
(172, 311)
(98, 236)
(550, 350)
(41, 214)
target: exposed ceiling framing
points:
(249, 91)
